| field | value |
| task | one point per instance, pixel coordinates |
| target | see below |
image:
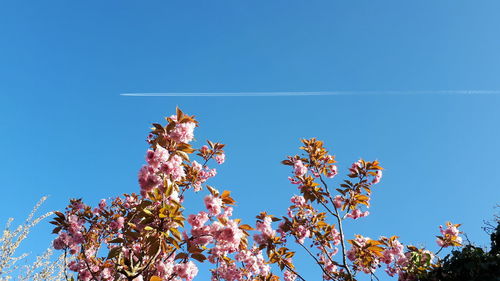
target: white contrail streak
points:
(320, 93)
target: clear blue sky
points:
(66, 132)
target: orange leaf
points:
(246, 227)
(225, 194)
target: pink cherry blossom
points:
(353, 254)
(357, 213)
(220, 158)
(148, 179)
(298, 200)
(377, 178)
(203, 175)
(186, 270)
(107, 274)
(102, 204)
(157, 157)
(355, 167)
(332, 171)
(450, 235)
(204, 149)
(227, 271)
(196, 166)
(338, 201)
(183, 132)
(198, 220)
(266, 230)
(293, 180)
(289, 276)
(213, 205)
(394, 253)
(228, 211)
(336, 238)
(174, 168)
(117, 224)
(299, 168)
(302, 233)
(329, 266)
(228, 236)
(253, 261)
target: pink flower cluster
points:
(394, 254)
(227, 271)
(72, 238)
(204, 173)
(450, 235)
(330, 267)
(254, 262)
(200, 232)
(289, 276)
(355, 254)
(213, 204)
(173, 168)
(86, 273)
(187, 270)
(332, 171)
(183, 132)
(298, 200)
(357, 213)
(198, 220)
(165, 266)
(299, 169)
(378, 177)
(266, 231)
(148, 179)
(159, 163)
(356, 167)
(117, 224)
(228, 237)
(220, 158)
(224, 234)
(157, 157)
(204, 149)
(338, 201)
(336, 237)
(301, 232)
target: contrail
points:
(319, 93)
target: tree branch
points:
(339, 221)
(315, 259)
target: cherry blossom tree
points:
(147, 236)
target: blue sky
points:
(67, 132)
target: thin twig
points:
(315, 259)
(339, 221)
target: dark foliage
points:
(470, 263)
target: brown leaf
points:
(181, 256)
(199, 257)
